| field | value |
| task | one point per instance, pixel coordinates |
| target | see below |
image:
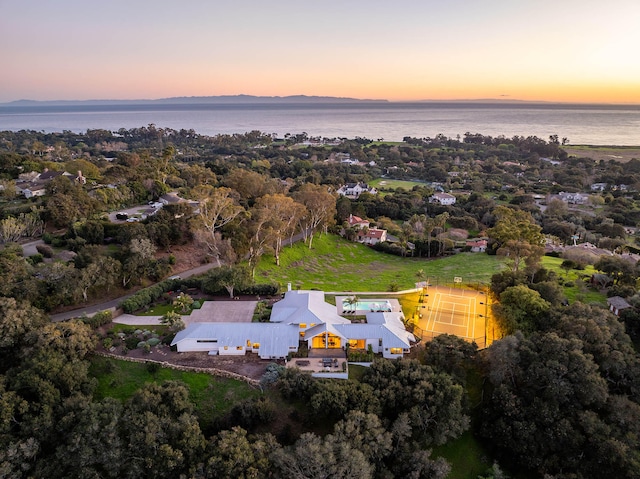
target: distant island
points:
(308, 100)
(189, 100)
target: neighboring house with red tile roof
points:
(371, 236)
(477, 245)
(357, 222)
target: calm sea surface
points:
(581, 124)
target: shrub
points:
(35, 258)
(131, 342)
(153, 341)
(45, 250)
(58, 242)
(261, 289)
(107, 343)
(99, 319)
(624, 291)
(141, 344)
(152, 367)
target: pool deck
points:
(386, 305)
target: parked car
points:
(122, 216)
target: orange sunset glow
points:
(402, 51)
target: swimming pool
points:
(372, 305)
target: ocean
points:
(580, 124)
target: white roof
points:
(274, 339)
(385, 326)
(305, 307)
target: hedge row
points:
(99, 319)
(261, 289)
(148, 295)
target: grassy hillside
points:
(334, 264)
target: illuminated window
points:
(396, 351)
(256, 345)
(226, 347)
(239, 348)
(303, 325)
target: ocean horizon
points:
(392, 121)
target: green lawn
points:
(211, 395)
(579, 290)
(466, 456)
(334, 264)
(389, 184)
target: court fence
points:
(426, 336)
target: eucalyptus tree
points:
(321, 209)
(217, 208)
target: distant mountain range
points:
(187, 100)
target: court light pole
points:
(486, 314)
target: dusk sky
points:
(551, 50)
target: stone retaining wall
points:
(211, 371)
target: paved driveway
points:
(223, 311)
(211, 312)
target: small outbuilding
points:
(617, 304)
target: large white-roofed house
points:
(299, 316)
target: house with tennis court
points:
(303, 316)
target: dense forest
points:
(557, 396)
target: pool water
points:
(380, 305)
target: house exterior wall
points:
(232, 351)
(386, 353)
(195, 345)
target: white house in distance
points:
(300, 316)
(354, 190)
(445, 199)
(573, 198)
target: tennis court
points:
(452, 310)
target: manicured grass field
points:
(388, 184)
(211, 395)
(621, 154)
(335, 264)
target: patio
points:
(318, 365)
